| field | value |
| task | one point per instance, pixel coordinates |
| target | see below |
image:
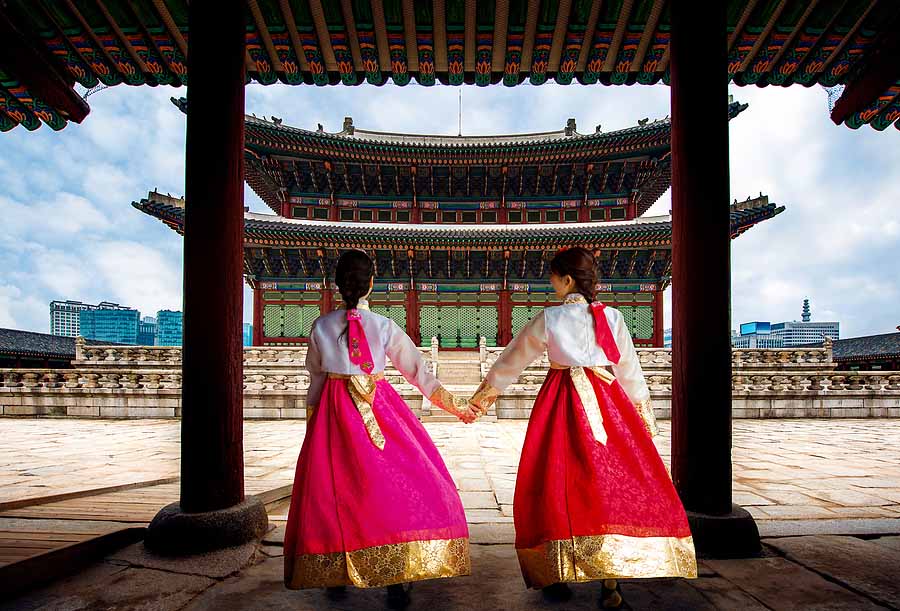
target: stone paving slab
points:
(848, 560)
(771, 583)
(784, 470)
(780, 584)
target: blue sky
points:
(71, 233)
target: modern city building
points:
(667, 338)
(461, 228)
(65, 316)
(804, 332)
(147, 331)
(168, 328)
(248, 334)
(118, 325)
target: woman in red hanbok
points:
(373, 504)
(593, 498)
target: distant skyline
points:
(71, 233)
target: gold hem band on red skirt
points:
(379, 566)
(588, 558)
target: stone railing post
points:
(434, 355)
(79, 348)
(482, 349)
(829, 350)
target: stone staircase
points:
(460, 372)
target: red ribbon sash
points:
(605, 338)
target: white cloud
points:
(69, 231)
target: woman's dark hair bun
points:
(578, 263)
(352, 274)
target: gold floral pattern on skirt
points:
(383, 565)
(592, 557)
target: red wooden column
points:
(701, 355)
(327, 303)
(504, 318)
(412, 315)
(257, 317)
(658, 318)
(212, 511)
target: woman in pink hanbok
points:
(373, 504)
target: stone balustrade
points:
(145, 382)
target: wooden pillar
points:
(701, 352)
(257, 317)
(658, 318)
(504, 318)
(326, 305)
(212, 463)
(412, 315)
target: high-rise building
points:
(248, 334)
(786, 334)
(110, 322)
(64, 317)
(168, 328)
(147, 331)
(667, 338)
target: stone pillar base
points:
(176, 533)
(732, 535)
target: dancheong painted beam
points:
(145, 42)
(456, 282)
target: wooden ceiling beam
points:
(609, 64)
(647, 36)
(263, 31)
(291, 25)
(31, 66)
(559, 34)
(588, 35)
(881, 73)
(166, 17)
(763, 36)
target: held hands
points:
(452, 404)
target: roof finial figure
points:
(570, 127)
(348, 126)
(643, 121)
(276, 120)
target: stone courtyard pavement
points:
(825, 493)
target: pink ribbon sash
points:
(360, 353)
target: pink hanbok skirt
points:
(371, 517)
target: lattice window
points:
(272, 321)
(289, 320)
(459, 326)
(522, 314)
(639, 320)
(397, 313)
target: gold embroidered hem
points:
(593, 557)
(383, 565)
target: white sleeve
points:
(628, 371)
(407, 358)
(525, 347)
(316, 373)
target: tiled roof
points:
(28, 343)
(259, 228)
(867, 347)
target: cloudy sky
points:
(70, 231)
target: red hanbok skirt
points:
(371, 517)
(585, 510)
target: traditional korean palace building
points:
(462, 228)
